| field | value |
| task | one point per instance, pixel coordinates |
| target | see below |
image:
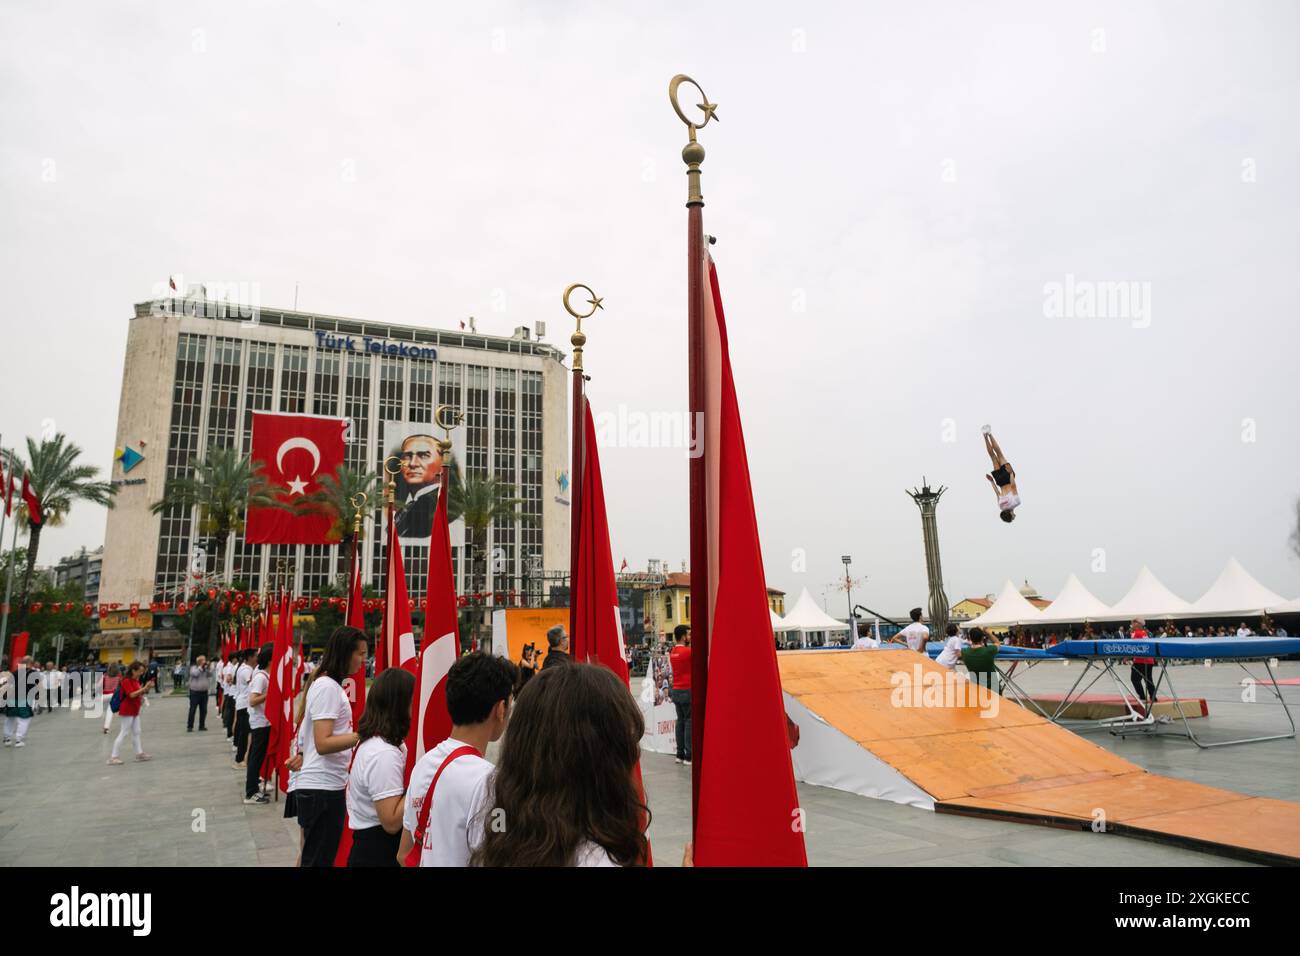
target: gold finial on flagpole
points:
(358, 502)
(579, 338)
(392, 466)
(446, 417)
(692, 152)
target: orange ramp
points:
(868, 730)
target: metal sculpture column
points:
(928, 501)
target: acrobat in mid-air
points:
(1003, 478)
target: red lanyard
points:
(413, 858)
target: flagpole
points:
(9, 590)
(693, 156)
(577, 340)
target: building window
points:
(668, 607)
(505, 430)
(325, 394)
(223, 393)
(356, 407)
(259, 392)
(293, 380)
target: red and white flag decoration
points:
(439, 644)
(356, 618)
(279, 697)
(748, 811)
(35, 513)
(293, 452)
(397, 635)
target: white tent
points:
(1148, 599)
(1235, 592)
(776, 619)
(1011, 607)
(1074, 603)
(807, 618)
(1290, 607)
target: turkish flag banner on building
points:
(291, 453)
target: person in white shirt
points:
(1003, 478)
(259, 727)
(376, 791)
(319, 799)
(1244, 631)
(243, 674)
(952, 647)
(566, 792)
(228, 697)
(864, 640)
(915, 635)
(479, 688)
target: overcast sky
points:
(894, 188)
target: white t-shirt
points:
(228, 677)
(916, 634)
(951, 652)
(258, 684)
(462, 793)
(865, 643)
(378, 772)
(592, 854)
(1244, 632)
(325, 701)
(242, 677)
(1008, 502)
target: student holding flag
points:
(376, 791)
(327, 737)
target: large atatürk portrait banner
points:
(419, 477)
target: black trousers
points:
(228, 714)
(373, 847)
(1141, 674)
(198, 702)
(321, 814)
(258, 738)
(682, 701)
(241, 734)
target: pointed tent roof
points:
(1074, 603)
(776, 619)
(1290, 607)
(807, 616)
(1011, 607)
(1235, 592)
(1148, 598)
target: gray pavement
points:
(61, 805)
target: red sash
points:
(422, 824)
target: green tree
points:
(60, 482)
(325, 618)
(222, 488)
(47, 626)
(334, 499)
(481, 500)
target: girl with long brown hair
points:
(564, 793)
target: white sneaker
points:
(8, 742)
(20, 743)
(257, 799)
(678, 759)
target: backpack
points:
(116, 700)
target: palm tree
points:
(334, 498)
(481, 500)
(223, 487)
(59, 482)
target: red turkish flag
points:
(596, 626)
(439, 644)
(396, 635)
(293, 452)
(35, 513)
(747, 807)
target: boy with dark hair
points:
(452, 778)
(915, 635)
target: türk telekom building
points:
(195, 373)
